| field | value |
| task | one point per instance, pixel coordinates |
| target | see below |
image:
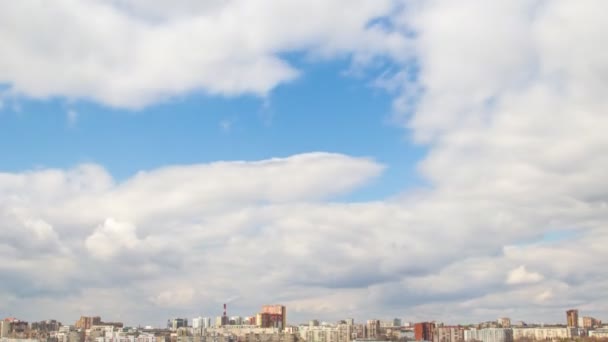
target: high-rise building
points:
(206, 322)
(176, 323)
(86, 322)
(424, 331)
(397, 322)
(272, 316)
(197, 322)
(572, 318)
(5, 328)
(372, 328)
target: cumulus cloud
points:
(110, 238)
(522, 276)
(137, 53)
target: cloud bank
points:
(509, 97)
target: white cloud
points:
(174, 298)
(111, 238)
(520, 275)
(137, 53)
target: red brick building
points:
(424, 331)
(272, 316)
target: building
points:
(197, 322)
(397, 322)
(424, 331)
(48, 325)
(176, 323)
(590, 322)
(504, 322)
(489, 335)
(572, 318)
(599, 333)
(448, 334)
(206, 322)
(372, 329)
(5, 328)
(544, 333)
(236, 320)
(86, 322)
(272, 316)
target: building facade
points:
(274, 316)
(489, 335)
(544, 333)
(372, 329)
(572, 318)
(448, 334)
(423, 331)
(86, 322)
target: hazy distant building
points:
(572, 318)
(236, 320)
(372, 329)
(176, 323)
(48, 325)
(5, 328)
(590, 323)
(86, 322)
(504, 322)
(197, 322)
(397, 322)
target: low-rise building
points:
(489, 335)
(599, 333)
(544, 333)
(448, 334)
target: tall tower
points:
(572, 318)
(225, 316)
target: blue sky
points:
(326, 110)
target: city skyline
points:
(425, 160)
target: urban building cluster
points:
(270, 325)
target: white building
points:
(5, 328)
(544, 333)
(599, 333)
(489, 335)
